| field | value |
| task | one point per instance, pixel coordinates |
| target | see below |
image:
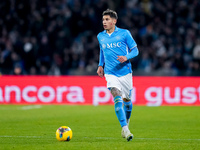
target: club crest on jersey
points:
(111, 45)
(118, 37)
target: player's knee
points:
(115, 92)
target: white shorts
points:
(124, 84)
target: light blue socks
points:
(120, 111)
(128, 108)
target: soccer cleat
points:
(128, 135)
(122, 133)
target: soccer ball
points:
(63, 133)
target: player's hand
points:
(100, 71)
(121, 59)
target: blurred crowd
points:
(58, 37)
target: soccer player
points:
(117, 47)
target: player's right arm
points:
(100, 71)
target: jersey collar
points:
(116, 29)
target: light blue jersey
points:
(119, 43)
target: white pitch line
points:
(10, 136)
(167, 139)
(30, 107)
(26, 107)
(107, 138)
(164, 139)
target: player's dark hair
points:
(111, 13)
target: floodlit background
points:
(58, 37)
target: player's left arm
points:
(132, 46)
(134, 52)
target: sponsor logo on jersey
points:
(111, 45)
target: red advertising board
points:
(91, 90)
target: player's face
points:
(108, 22)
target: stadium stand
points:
(58, 37)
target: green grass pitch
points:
(33, 127)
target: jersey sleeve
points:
(134, 52)
(131, 45)
(101, 56)
(130, 41)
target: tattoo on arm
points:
(115, 92)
